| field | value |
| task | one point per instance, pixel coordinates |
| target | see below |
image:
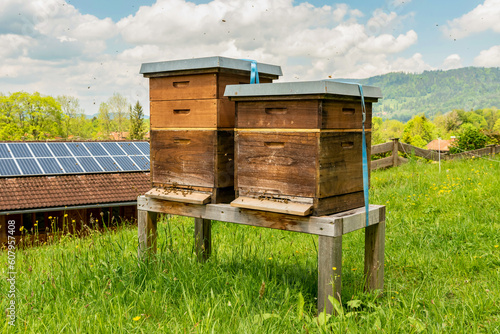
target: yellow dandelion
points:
(65, 215)
(73, 221)
(21, 228)
(36, 224)
(496, 246)
(137, 318)
(334, 268)
(270, 258)
(50, 217)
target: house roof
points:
(70, 190)
(440, 145)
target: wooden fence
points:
(396, 146)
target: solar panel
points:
(108, 164)
(8, 167)
(29, 166)
(20, 150)
(130, 148)
(50, 166)
(78, 149)
(141, 161)
(4, 151)
(59, 149)
(70, 165)
(96, 149)
(113, 149)
(89, 164)
(40, 150)
(46, 158)
(144, 147)
(126, 164)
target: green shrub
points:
(470, 139)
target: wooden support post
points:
(329, 271)
(203, 238)
(395, 149)
(147, 232)
(374, 256)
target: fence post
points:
(492, 149)
(395, 149)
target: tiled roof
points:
(69, 190)
(436, 143)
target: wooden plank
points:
(277, 163)
(329, 272)
(419, 152)
(356, 219)
(339, 114)
(176, 195)
(330, 205)
(203, 238)
(382, 148)
(184, 158)
(303, 114)
(382, 163)
(183, 87)
(374, 256)
(147, 232)
(224, 159)
(340, 164)
(184, 113)
(290, 208)
(225, 212)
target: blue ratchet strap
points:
(254, 73)
(365, 157)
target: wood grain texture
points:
(185, 158)
(374, 256)
(291, 208)
(333, 204)
(340, 164)
(382, 148)
(339, 114)
(203, 238)
(184, 113)
(224, 159)
(183, 87)
(329, 272)
(179, 196)
(382, 163)
(147, 232)
(277, 163)
(303, 114)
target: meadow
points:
(442, 270)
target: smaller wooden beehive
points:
(299, 146)
(192, 126)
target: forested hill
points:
(434, 92)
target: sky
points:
(91, 49)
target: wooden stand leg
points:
(203, 238)
(147, 232)
(374, 256)
(329, 271)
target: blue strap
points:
(365, 156)
(254, 73)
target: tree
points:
(105, 120)
(70, 106)
(418, 131)
(119, 109)
(136, 122)
(470, 139)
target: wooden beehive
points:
(192, 126)
(299, 146)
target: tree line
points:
(25, 116)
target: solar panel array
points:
(50, 158)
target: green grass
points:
(442, 270)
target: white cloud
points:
(451, 62)
(488, 58)
(482, 18)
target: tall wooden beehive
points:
(192, 126)
(299, 146)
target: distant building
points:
(67, 185)
(440, 145)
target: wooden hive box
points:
(299, 146)
(192, 126)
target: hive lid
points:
(206, 63)
(302, 88)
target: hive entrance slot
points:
(182, 141)
(273, 144)
(347, 144)
(182, 111)
(276, 111)
(181, 84)
(348, 110)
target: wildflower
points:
(65, 215)
(137, 318)
(334, 268)
(73, 221)
(270, 258)
(21, 228)
(496, 246)
(50, 217)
